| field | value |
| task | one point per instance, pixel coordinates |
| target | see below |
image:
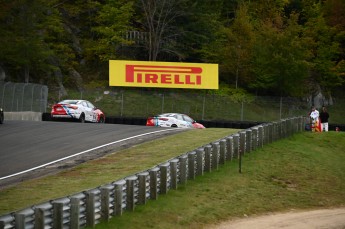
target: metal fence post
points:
(270, 136)
(164, 186)
(191, 165)
(215, 155)
(208, 153)
(260, 136)
(230, 148)
(58, 215)
(236, 139)
(153, 183)
(75, 213)
(254, 138)
(222, 151)
(20, 218)
(248, 140)
(90, 208)
(200, 162)
(142, 178)
(105, 202)
(183, 169)
(130, 188)
(242, 143)
(118, 197)
(39, 218)
(173, 174)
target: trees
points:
(279, 57)
(109, 24)
(240, 40)
(23, 25)
(323, 50)
(267, 47)
(159, 22)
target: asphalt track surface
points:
(30, 149)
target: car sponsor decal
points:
(67, 110)
(156, 121)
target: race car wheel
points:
(173, 125)
(82, 118)
(101, 119)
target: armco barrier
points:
(89, 207)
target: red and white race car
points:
(173, 120)
(82, 110)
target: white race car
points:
(82, 110)
(173, 120)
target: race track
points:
(28, 145)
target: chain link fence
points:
(133, 102)
(17, 97)
(201, 106)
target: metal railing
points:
(89, 207)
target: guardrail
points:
(89, 207)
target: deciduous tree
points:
(279, 57)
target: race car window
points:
(68, 102)
(90, 105)
(187, 118)
(179, 117)
(84, 104)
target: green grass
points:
(305, 171)
(114, 167)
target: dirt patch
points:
(295, 219)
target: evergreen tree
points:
(279, 57)
(323, 50)
(23, 32)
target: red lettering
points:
(177, 79)
(140, 78)
(130, 73)
(166, 78)
(151, 78)
(198, 79)
(163, 74)
(188, 81)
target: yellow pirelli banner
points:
(163, 74)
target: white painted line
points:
(86, 151)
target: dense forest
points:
(264, 47)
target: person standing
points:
(324, 119)
(314, 118)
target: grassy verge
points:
(305, 171)
(107, 169)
